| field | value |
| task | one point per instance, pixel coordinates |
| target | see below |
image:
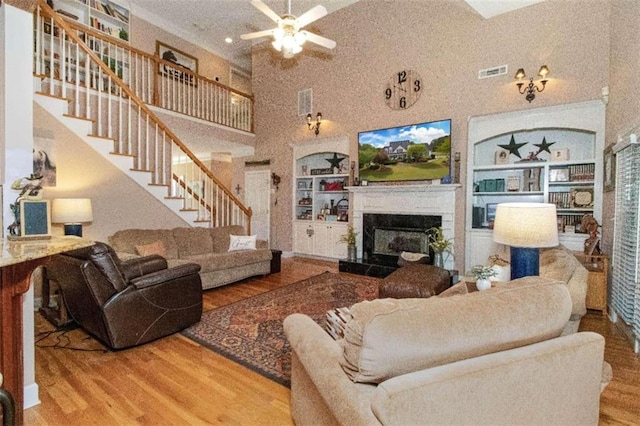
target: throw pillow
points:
(157, 247)
(242, 242)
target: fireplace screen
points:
(396, 240)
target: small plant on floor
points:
(350, 237)
(481, 272)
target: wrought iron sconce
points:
(531, 88)
(315, 126)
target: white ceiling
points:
(207, 23)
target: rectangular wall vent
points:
(305, 102)
(493, 72)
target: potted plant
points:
(482, 274)
(439, 244)
(350, 239)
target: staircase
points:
(99, 94)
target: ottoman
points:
(415, 280)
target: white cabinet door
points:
(338, 249)
(320, 240)
(302, 241)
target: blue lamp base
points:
(525, 262)
(73, 229)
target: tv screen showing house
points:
(406, 153)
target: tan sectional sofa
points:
(208, 247)
(492, 357)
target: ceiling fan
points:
(289, 36)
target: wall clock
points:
(403, 89)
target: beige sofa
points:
(208, 247)
(492, 357)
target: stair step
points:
(174, 198)
(79, 118)
(53, 96)
(122, 155)
(159, 184)
(141, 170)
(102, 137)
(188, 210)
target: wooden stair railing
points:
(71, 70)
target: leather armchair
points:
(124, 304)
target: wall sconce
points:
(531, 88)
(315, 127)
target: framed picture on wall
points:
(609, 175)
(183, 67)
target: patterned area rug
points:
(250, 331)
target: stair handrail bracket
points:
(97, 76)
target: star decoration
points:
(544, 146)
(335, 161)
(513, 147)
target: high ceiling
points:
(208, 22)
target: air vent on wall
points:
(493, 72)
(305, 102)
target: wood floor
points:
(175, 381)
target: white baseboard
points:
(31, 396)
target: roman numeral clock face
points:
(403, 89)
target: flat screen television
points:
(407, 153)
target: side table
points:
(276, 256)
(598, 267)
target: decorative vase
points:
(351, 253)
(438, 259)
(483, 284)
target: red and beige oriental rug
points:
(250, 331)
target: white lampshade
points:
(526, 225)
(71, 210)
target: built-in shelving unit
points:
(106, 16)
(560, 163)
(321, 198)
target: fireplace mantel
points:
(437, 200)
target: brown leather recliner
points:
(129, 303)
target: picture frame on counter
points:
(502, 156)
(559, 175)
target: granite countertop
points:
(18, 251)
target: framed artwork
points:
(609, 175)
(183, 62)
(502, 156)
(560, 154)
(44, 160)
(559, 175)
(35, 219)
(491, 212)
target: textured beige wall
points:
(623, 110)
(446, 43)
(118, 202)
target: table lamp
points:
(525, 227)
(72, 212)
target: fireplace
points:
(385, 236)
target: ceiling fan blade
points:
(322, 41)
(311, 15)
(266, 10)
(257, 34)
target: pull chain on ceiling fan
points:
(289, 37)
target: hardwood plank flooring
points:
(175, 381)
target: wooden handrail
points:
(129, 93)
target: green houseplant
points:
(350, 240)
(482, 274)
(439, 244)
